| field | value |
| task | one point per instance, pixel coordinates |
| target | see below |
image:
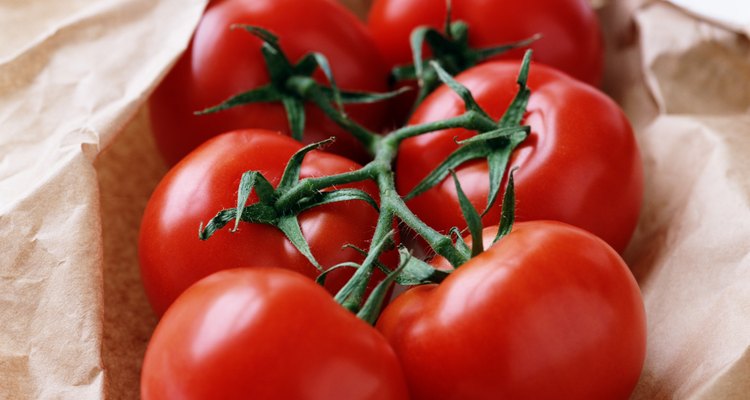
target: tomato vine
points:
(495, 141)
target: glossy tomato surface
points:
(222, 62)
(263, 333)
(571, 39)
(549, 312)
(172, 257)
(579, 165)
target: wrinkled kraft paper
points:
(72, 73)
(74, 183)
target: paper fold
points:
(70, 78)
(691, 253)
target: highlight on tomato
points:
(266, 333)
(548, 312)
(580, 163)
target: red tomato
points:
(172, 257)
(571, 40)
(221, 63)
(579, 165)
(266, 333)
(549, 312)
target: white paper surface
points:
(734, 14)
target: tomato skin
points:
(171, 255)
(571, 39)
(579, 165)
(266, 333)
(549, 312)
(221, 62)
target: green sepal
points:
(439, 44)
(404, 73)
(363, 252)
(279, 68)
(258, 213)
(289, 225)
(261, 33)
(371, 309)
(517, 109)
(453, 161)
(417, 272)
(501, 133)
(425, 76)
(263, 94)
(350, 296)
(416, 41)
(459, 243)
(458, 33)
(293, 86)
(503, 141)
(290, 177)
(295, 112)
(473, 220)
(495, 145)
(351, 97)
(489, 52)
(497, 162)
(460, 89)
(321, 279)
(253, 180)
(451, 49)
(325, 66)
(508, 214)
(335, 196)
(307, 65)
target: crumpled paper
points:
(691, 251)
(71, 76)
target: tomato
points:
(221, 62)
(264, 333)
(171, 255)
(571, 39)
(548, 312)
(579, 165)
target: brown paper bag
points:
(690, 98)
(71, 75)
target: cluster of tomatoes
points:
(548, 311)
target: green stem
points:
(468, 120)
(292, 84)
(309, 90)
(358, 281)
(392, 203)
(309, 186)
(442, 244)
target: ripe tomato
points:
(221, 62)
(579, 165)
(264, 333)
(548, 312)
(571, 40)
(172, 257)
